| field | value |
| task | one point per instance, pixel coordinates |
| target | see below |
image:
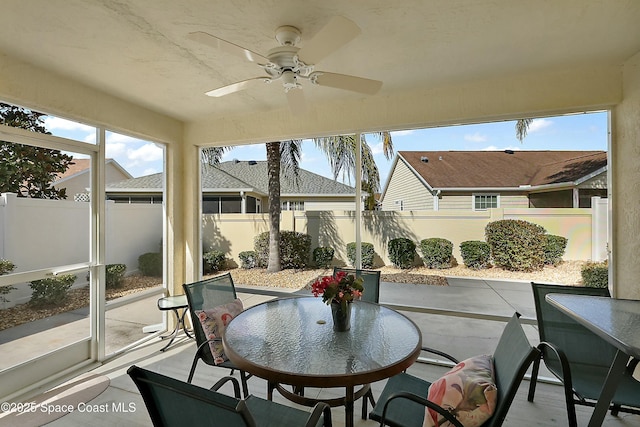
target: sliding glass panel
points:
(45, 252)
(134, 270)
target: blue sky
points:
(573, 132)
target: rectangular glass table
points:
(617, 321)
(291, 341)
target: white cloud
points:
(538, 124)
(116, 150)
(494, 148)
(377, 148)
(402, 132)
(476, 137)
(149, 152)
(63, 124)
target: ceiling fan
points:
(293, 65)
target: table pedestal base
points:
(347, 401)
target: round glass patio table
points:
(292, 341)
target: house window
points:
(399, 204)
(292, 205)
(482, 202)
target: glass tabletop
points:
(172, 302)
(293, 339)
(615, 320)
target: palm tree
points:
(341, 154)
(281, 156)
(285, 156)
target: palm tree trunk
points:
(273, 167)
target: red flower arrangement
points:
(341, 288)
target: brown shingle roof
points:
(478, 169)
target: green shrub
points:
(554, 248)
(295, 249)
(436, 252)
(323, 256)
(475, 254)
(402, 252)
(114, 275)
(51, 291)
(6, 266)
(213, 261)
(595, 274)
(248, 259)
(367, 253)
(150, 264)
(516, 245)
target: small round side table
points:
(175, 303)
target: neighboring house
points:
(242, 187)
(77, 177)
(479, 180)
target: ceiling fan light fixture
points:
(289, 81)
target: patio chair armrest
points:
(564, 363)
(440, 353)
(422, 401)
(222, 381)
(318, 410)
(206, 343)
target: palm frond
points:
(522, 127)
(290, 154)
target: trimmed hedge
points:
(6, 266)
(436, 252)
(516, 245)
(150, 264)
(248, 259)
(51, 291)
(402, 252)
(367, 252)
(295, 249)
(595, 274)
(554, 248)
(114, 275)
(214, 261)
(476, 254)
(323, 256)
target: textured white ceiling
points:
(138, 50)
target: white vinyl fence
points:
(38, 234)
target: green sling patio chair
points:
(579, 358)
(207, 294)
(402, 401)
(371, 282)
(174, 403)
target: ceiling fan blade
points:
(233, 49)
(338, 32)
(343, 81)
(297, 103)
(236, 87)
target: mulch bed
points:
(76, 298)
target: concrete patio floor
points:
(459, 336)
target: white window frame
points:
(399, 204)
(484, 195)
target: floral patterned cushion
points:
(468, 391)
(214, 321)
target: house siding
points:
(406, 187)
(455, 201)
(597, 182)
(514, 201)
